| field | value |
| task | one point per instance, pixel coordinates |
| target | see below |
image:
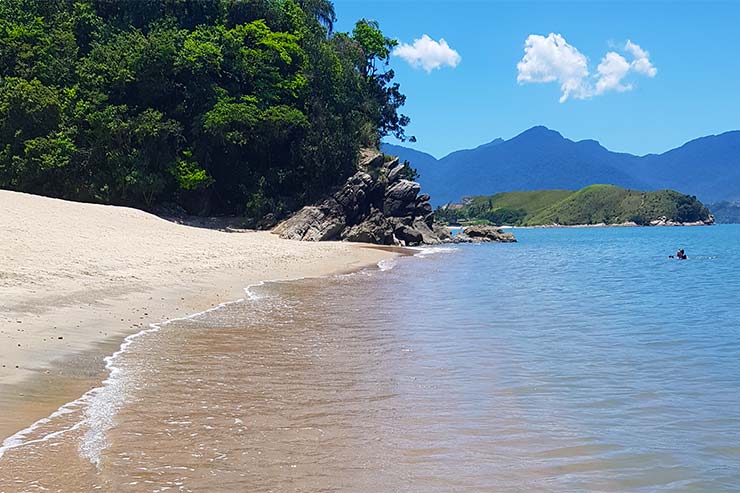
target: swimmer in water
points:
(680, 255)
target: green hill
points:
(591, 205)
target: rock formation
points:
(376, 205)
(480, 234)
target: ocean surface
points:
(576, 360)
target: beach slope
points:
(75, 279)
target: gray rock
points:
(400, 199)
(442, 232)
(352, 197)
(394, 172)
(375, 229)
(408, 236)
(370, 158)
(428, 236)
(424, 208)
(481, 234)
(313, 224)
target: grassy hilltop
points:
(595, 204)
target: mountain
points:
(421, 160)
(726, 212)
(596, 204)
(708, 167)
(540, 158)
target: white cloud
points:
(612, 69)
(428, 54)
(552, 59)
(641, 63)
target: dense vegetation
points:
(221, 106)
(726, 212)
(591, 205)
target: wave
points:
(432, 250)
(18, 439)
(100, 405)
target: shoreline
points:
(597, 225)
(615, 225)
(77, 279)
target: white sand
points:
(75, 277)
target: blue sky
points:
(692, 90)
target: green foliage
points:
(508, 208)
(222, 106)
(189, 175)
(591, 205)
(375, 46)
(385, 97)
(613, 205)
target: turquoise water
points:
(577, 360)
(588, 358)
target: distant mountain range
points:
(540, 158)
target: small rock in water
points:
(481, 234)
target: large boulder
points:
(400, 198)
(352, 197)
(408, 235)
(428, 236)
(369, 159)
(442, 232)
(314, 223)
(395, 168)
(481, 233)
(375, 229)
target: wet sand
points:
(75, 279)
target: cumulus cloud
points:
(641, 63)
(610, 73)
(428, 54)
(551, 59)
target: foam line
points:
(101, 404)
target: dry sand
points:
(75, 279)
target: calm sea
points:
(576, 360)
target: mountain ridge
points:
(541, 158)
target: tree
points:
(385, 96)
(222, 106)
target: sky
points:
(639, 77)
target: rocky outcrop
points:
(375, 229)
(378, 205)
(664, 221)
(481, 234)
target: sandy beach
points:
(75, 279)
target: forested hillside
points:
(221, 106)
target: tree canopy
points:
(222, 106)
